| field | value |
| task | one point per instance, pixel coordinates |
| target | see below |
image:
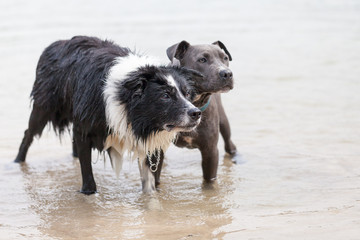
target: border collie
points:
(117, 100)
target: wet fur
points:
(113, 98)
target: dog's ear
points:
(177, 50)
(136, 85)
(222, 46)
(138, 80)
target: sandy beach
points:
(294, 114)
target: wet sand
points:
(294, 114)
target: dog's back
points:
(118, 102)
(63, 76)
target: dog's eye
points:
(165, 96)
(226, 58)
(187, 94)
(202, 60)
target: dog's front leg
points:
(84, 151)
(147, 177)
(153, 159)
(210, 161)
(225, 131)
(230, 147)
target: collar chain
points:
(154, 166)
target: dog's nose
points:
(225, 74)
(194, 113)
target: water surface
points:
(294, 112)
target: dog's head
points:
(159, 98)
(212, 60)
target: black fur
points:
(69, 77)
(70, 80)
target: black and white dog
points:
(117, 100)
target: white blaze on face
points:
(187, 104)
(172, 82)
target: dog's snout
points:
(225, 74)
(194, 114)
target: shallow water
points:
(294, 114)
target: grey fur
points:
(217, 79)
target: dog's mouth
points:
(225, 89)
(186, 128)
(169, 127)
(216, 89)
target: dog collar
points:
(203, 108)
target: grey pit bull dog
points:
(211, 60)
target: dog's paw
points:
(230, 148)
(88, 189)
(88, 192)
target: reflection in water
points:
(294, 114)
(183, 207)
